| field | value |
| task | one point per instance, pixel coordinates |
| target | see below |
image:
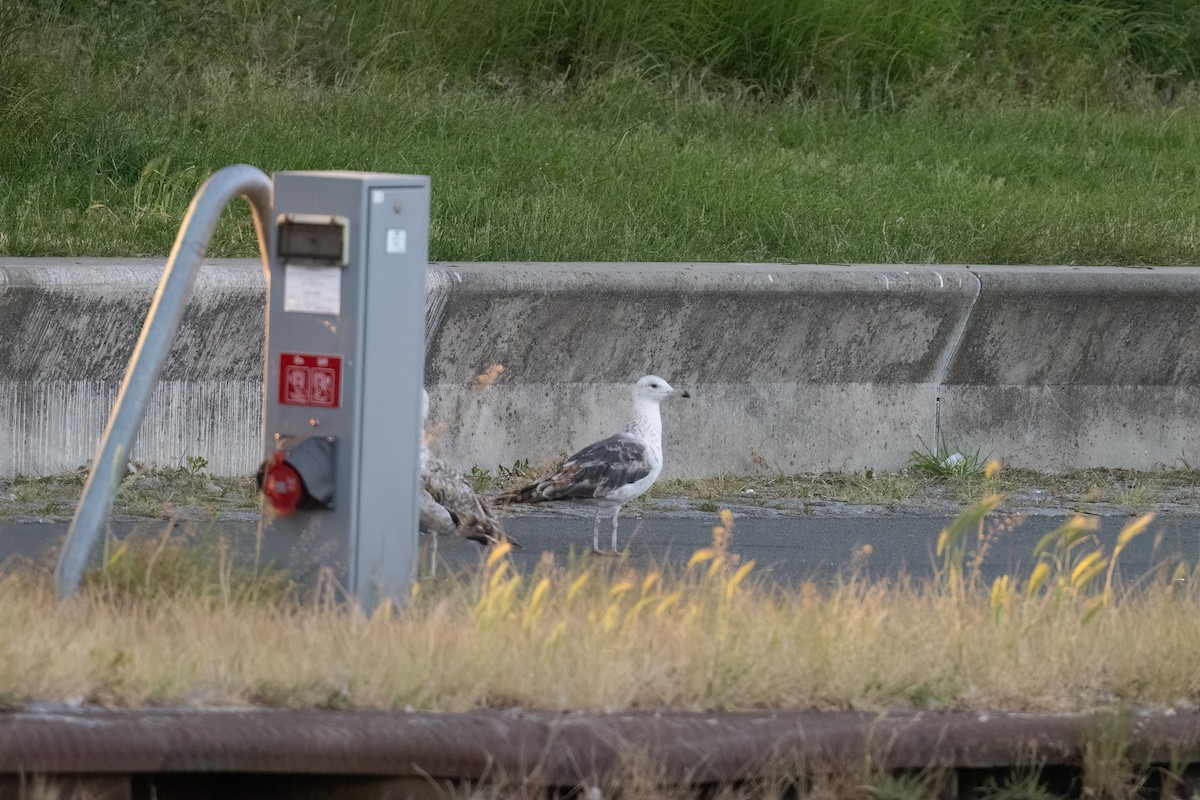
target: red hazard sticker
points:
(308, 380)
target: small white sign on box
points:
(397, 241)
(312, 290)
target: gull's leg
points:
(616, 512)
(433, 537)
(596, 538)
(596, 534)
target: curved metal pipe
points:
(174, 289)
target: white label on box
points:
(312, 290)
(397, 240)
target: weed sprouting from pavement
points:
(194, 466)
(946, 462)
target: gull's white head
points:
(655, 388)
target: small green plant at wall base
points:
(946, 462)
(519, 469)
(481, 479)
(484, 480)
(194, 466)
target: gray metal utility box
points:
(345, 365)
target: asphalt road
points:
(797, 548)
(791, 548)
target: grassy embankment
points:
(952, 131)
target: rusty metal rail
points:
(562, 750)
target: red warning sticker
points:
(309, 380)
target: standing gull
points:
(612, 471)
(450, 505)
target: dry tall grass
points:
(162, 626)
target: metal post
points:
(108, 467)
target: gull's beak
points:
(683, 393)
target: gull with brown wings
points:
(449, 505)
(614, 470)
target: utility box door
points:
(394, 350)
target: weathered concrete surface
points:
(791, 367)
(797, 367)
(69, 330)
(1061, 367)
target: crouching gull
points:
(449, 505)
(612, 471)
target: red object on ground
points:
(282, 485)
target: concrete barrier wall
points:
(69, 328)
(1072, 366)
(791, 368)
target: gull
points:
(448, 503)
(612, 471)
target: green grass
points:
(945, 131)
(947, 462)
(862, 50)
